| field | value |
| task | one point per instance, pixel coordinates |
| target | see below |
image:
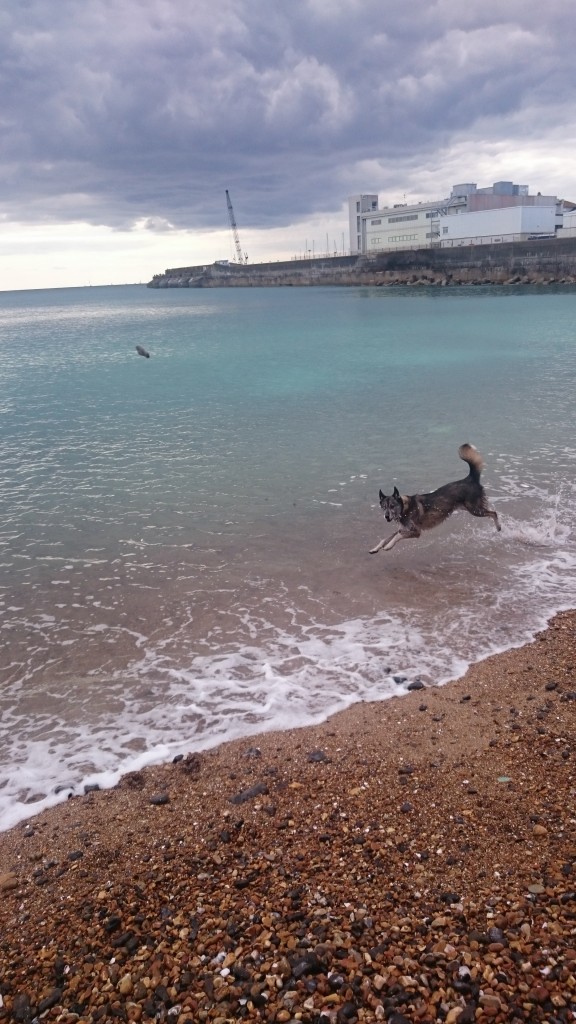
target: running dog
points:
(417, 512)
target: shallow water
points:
(184, 539)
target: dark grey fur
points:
(417, 512)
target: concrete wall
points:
(538, 262)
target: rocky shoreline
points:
(407, 861)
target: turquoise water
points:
(184, 539)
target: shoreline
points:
(409, 860)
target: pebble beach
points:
(412, 860)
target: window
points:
(357, 207)
(444, 231)
(405, 216)
(376, 221)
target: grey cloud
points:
(115, 111)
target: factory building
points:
(502, 212)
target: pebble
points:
(159, 799)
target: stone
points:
(8, 882)
(126, 986)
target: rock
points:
(8, 882)
(416, 685)
(317, 755)
(260, 789)
(126, 986)
(539, 831)
(21, 1008)
(159, 799)
(52, 1000)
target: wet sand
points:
(410, 860)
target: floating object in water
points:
(142, 351)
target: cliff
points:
(551, 261)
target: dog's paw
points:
(374, 551)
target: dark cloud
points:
(117, 111)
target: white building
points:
(503, 212)
(568, 229)
(357, 207)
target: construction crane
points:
(239, 257)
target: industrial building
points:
(502, 212)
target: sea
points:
(184, 538)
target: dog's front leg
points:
(385, 545)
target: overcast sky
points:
(123, 122)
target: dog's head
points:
(392, 506)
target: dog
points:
(418, 512)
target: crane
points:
(239, 257)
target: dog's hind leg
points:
(482, 511)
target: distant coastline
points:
(540, 262)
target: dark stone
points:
(497, 935)
(59, 968)
(91, 787)
(309, 964)
(406, 807)
(399, 679)
(450, 897)
(259, 789)
(551, 685)
(75, 855)
(347, 1014)
(161, 994)
(317, 755)
(21, 1008)
(52, 1000)
(416, 685)
(468, 1015)
(112, 923)
(253, 752)
(465, 698)
(160, 798)
(178, 758)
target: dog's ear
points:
(396, 493)
(382, 497)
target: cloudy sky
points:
(123, 122)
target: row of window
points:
(405, 216)
(394, 238)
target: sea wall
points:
(543, 262)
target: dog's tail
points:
(472, 456)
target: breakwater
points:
(551, 261)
